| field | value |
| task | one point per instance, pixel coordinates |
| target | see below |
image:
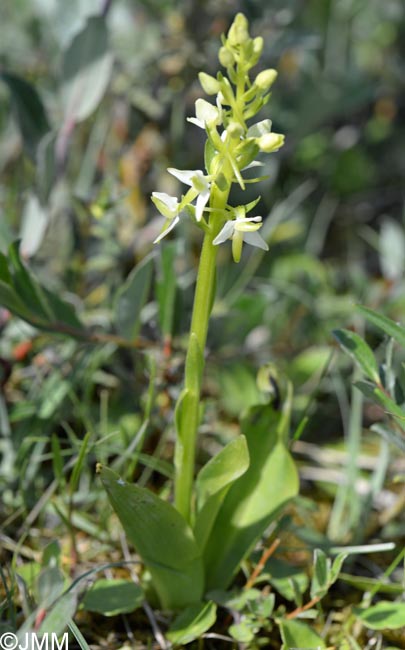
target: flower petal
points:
(183, 175)
(201, 202)
(254, 239)
(261, 128)
(197, 122)
(224, 234)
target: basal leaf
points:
(213, 483)
(162, 538)
(192, 623)
(358, 349)
(131, 297)
(254, 499)
(113, 596)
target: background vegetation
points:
(94, 98)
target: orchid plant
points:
(198, 544)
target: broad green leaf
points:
(255, 499)
(192, 623)
(28, 110)
(384, 614)
(86, 70)
(131, 297)
(296, 634)
(213, 483)
(162, 538)
(112, 597)
(388, 326)
(358, 349)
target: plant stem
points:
(203, 299)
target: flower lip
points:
(166, 231)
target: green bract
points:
(199, 543)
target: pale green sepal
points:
(213, 483)
(192, 623)
(162, 538)
(255, 499)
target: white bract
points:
(239, 230)
(199, 183)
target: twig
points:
(268, 552)
(303, 608)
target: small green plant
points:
(198, 544)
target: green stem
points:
(189, 401)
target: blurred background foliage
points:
(93, 104)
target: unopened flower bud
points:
(225, 57)
(265, 79)
(209, 84)
(238, 32)
(258, 44)
(235, 129)
(270, 142)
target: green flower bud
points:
(235, 130)
(209, 84)
(225, 57)
(258, 44)
(265, 79)
(238, 31)
(270, 142)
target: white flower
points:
(169, 207)
(239, 230)
(199, 183)
(206, 114)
